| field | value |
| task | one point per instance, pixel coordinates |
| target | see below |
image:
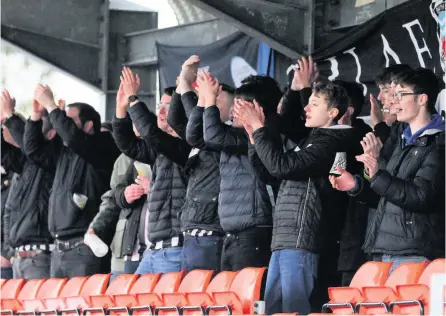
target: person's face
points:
(318, 114)
(8, 137)
(73, 113)
(235, 122)
(224, 103)
(408, 107)
(163, 110)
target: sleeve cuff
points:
(359, 183)
(380, 182)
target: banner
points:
(230, 59)
(412, 33)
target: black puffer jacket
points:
(168, 185)
(201, 206)
(26, 211)
(244, 201)
(83, 166)
(304, 205)
(410, 216)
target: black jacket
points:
(409, 185)
(83, 164)
(26, 212)
(132, 212)
(351, 255)
(244, 201)
(304, 205)
(201, 206)
(168, 185)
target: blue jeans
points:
(202, 253)
(6, 273)
(161, 261)
(290, 281)
(398, 260)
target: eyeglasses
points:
(160, 105)
(399, 95)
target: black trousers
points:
(248, 248)
(79, 261)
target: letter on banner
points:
(351, 51)
(334, 68)
(388, 51)
(419, 50)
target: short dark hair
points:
(227, 88)
(263, 89)
(336, 96)
(355, 95)
(87, 113)
(169, 91)
(422, 81)
(388, 74)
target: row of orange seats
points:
(175, 293)
(373, 292)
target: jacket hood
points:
(436, 125)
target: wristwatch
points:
(132, 98)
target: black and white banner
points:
(412, 33)
(230, 59)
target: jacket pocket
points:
(65, 214)
(203, 210)
(116, 244)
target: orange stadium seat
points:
(195, 281)
(198, 302)
(413, 299)
(244, 291)
(145, 284)
(378, 298)
(28, 291)
(343, 300)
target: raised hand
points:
(44, 96)
(345, 182)
(133, 192)
(376, 115)
(188, 74)
(7, 105)
(371, 144)
(305, 74)
(208, 89)
(370, 163)
(61, 104)
(249, 114)
(130, 82)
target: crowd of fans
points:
(222, 179)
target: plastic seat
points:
(195, 281)
(244, 291)
(343, 300)
(2, 282)
(120, 285)
(414, 298)
(378, 298)
(51, 288)
(29, 291)
(72, 288)
(12, 288)
(95, 285)
(198, 302)
(168, 283)
(145, 284)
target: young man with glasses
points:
(405, 179)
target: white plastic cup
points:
(96, 245)
(142, 169)
(80, 200)
(341, 161)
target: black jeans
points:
(248, 248)
(29, 268)
(202, 253)
(79, 261)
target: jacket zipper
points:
(303, 214)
